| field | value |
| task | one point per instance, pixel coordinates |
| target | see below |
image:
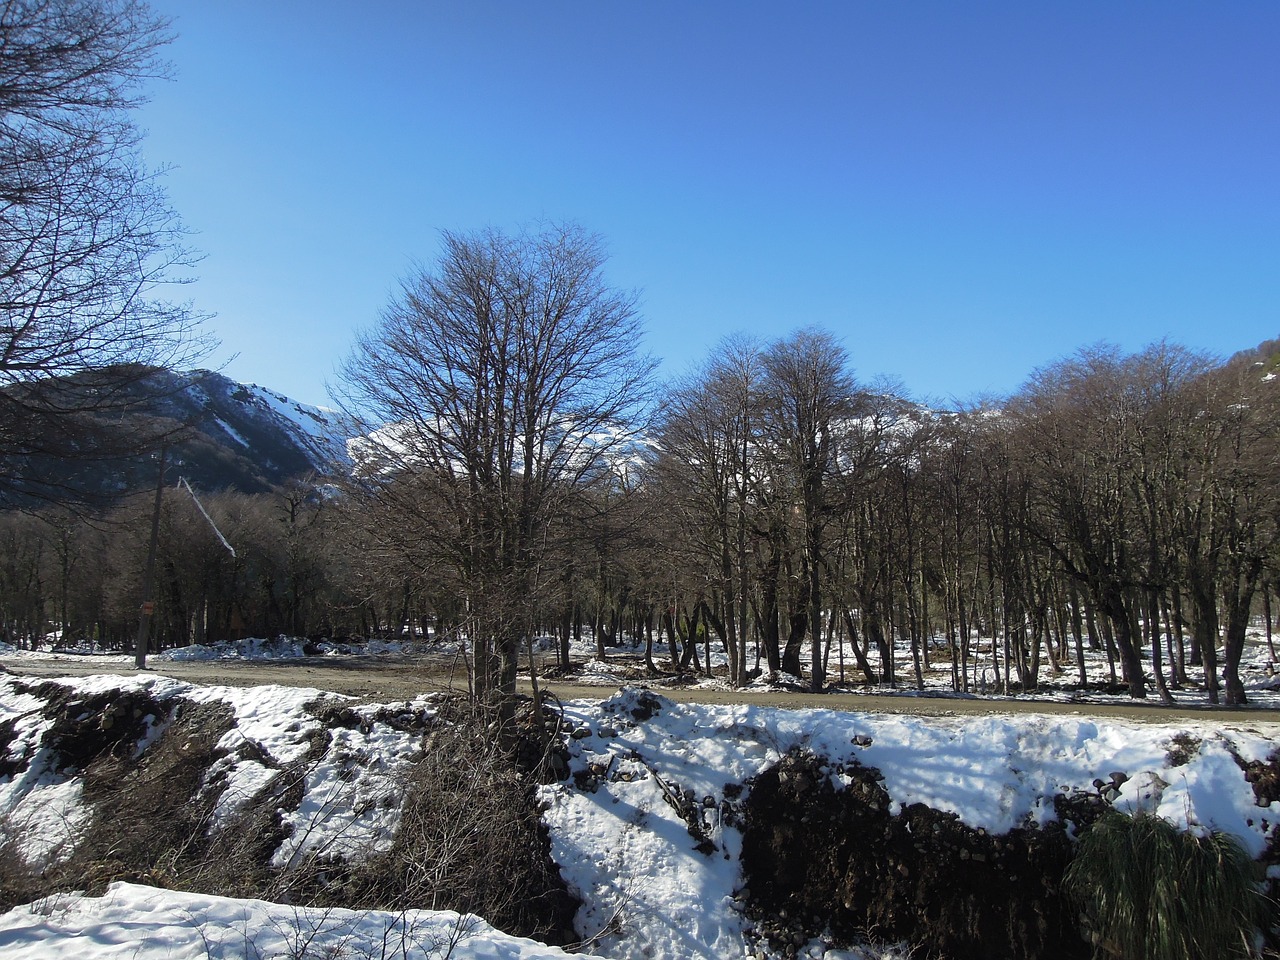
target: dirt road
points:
(384, 678)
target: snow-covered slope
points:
(266, 434)
(649, 885)
(224, 436)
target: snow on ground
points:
(1259, 671)
(650, 887)
(627, 851)
(145, 923)
(250, 648)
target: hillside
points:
(221, 435)
(246, 437)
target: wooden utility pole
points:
(148, 574)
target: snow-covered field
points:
(620, 845)
(1259, 671)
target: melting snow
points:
(651, 888)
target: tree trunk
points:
(859, 650)
(1242, 586)
(1153, 631)
(1117, 611)
(1204, 605)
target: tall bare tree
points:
(1075, 421)
(87, 237)
(809, 399)
(506, 377)
(708, 440)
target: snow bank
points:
(145, 923)
(625, 850)
(639, 829)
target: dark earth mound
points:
(821, 860)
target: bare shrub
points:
(238, 858)
(469, 840)
(20, 881)
(151, 814)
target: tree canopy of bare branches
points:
(508, 377)
(88, 241)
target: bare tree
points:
(809, 398)
(1075, 421)
(708, 440)
(506, 377)
(87, 236)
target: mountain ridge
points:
(217, 433)
(246, 437)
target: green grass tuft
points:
(1147, 890)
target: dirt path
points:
(375, 679)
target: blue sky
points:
(961, 191)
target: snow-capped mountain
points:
(247, 437)
(97, 436)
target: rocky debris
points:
(1079, 809)
(85, 729)
(632, 705)
(1264, 775)
(335, 713)
(595, 771)
(687, 807)
(1109, 789)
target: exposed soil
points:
(820, 860)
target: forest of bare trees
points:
(520, 475)
(775, 510)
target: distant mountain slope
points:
(225, 436)
(245, 437)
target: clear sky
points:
(961, 191)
